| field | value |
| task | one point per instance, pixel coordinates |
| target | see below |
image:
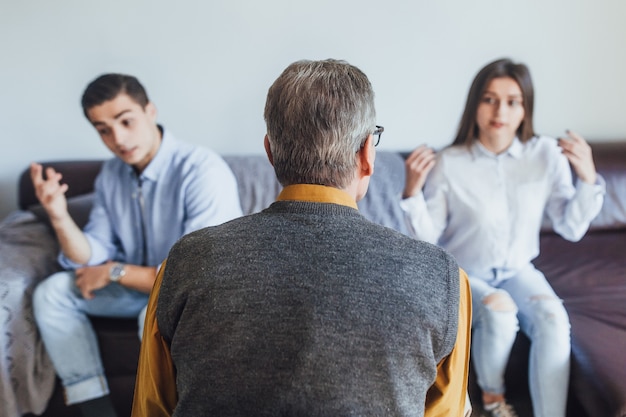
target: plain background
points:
(207, 66)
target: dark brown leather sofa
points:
(589, 275)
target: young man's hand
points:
(92, 278)
(50, 192)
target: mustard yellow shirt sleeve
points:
(448, 395)
(155, 387)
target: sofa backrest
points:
(79, 175)
(257, 183)
(258, 186)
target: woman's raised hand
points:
(578, 152)
(418, 166)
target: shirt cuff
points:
(591, 190)
(414, 204)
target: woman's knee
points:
(550, 316)
(499, 311)
(500, 301)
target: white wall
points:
(207, 65)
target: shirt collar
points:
(515, 150)
(162, 157)
(316, 194)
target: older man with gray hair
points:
(307, 308)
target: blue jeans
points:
(541, 316)
(61, 314)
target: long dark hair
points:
(468, 128)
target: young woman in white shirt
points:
(484, 202)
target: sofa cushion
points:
(381, 204)
(613, 213)
(257, 183)
(589, 277)
(258, 187)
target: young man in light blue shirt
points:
(155, 190)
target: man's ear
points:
(365, 158)
(268, 149)
(151, 111)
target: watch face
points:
(116, 272)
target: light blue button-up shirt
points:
(136, 219)
(487, 209)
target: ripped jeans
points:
(540, 314)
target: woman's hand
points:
(578, 152)
(418, 166)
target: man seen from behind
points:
(307, 308)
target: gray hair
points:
(318, 115)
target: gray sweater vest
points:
(306, 309)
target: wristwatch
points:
(116, 272)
